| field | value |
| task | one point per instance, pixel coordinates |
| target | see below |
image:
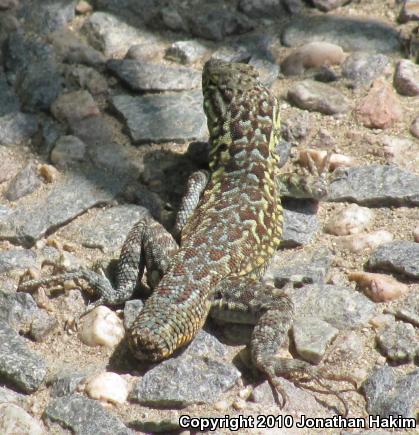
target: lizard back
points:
(237, 224)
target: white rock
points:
(361, 242)
(108, 387)
(15, 420)
(351, 220)
(101, 327)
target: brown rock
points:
(381, 107)
(414, 128)
(406, 78)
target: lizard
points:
(229, 225)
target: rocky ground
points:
(101, 122)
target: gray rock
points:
(376, 185)
(84, 416)
(390, 393)
(293, 6)
(112, 35)
(268, 71)
(399, 342)
(8, 98)
(165, 384)
(14, 419)
(400, 256)
(311, 338)
(106, 229)
(262, 393)
(162, 118)
(10, 396)
(85, 77)
(50, 131)
(363, 68)
(318, 97)
(138, 11)
(406, 78)
(141, 76)
(66, 200)
(25, 182)
(341, 307)
(408, 309)
(132, 309)
(414, 127)
(300, 224)
(42, 325)
(16, 259)
(262, 8)
(296, 127)
(409, 11)
(352, 34)
(328, 5)
(68, 150)
(46, 16)
(205, 345)
(19, 365)
(186, 52)
(301, 270)
(16, 128)
(65, 384)
(95, 131)
(232, 54)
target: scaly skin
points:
(236, 227)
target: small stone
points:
(74, 106)
(351, 220)
(318, 156)
(186, 52)
(108, 387)
(381, 107)
(231, 54)
(83, 7)
(300, 222)
(239, 404)
(409, 11)
(311, 337)
(15, 420)
(145, 52)
(48, 172)
(221, 405)
(262, 393)
(85, 77)
(367, 241)
(268, 71)
(379, 287)
(399, 342)
(24, 183)
(406, 77)
(312, 55)
(261, 8)
(68, 150)
(363, 68)
(401, 151)
(328, 5)
(318, 97)
(399, 256)
(101, 327)
(416, 234)
(16, 128)
(414, 127)
(66, 382)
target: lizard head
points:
(241, 112)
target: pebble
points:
(399, 342)
(86, 77)
(380, 108)
(186, 52)
(406, 78)
(101, 327)
(16, 128)
(318, 97)
(379, 287)
(409, 11)
(48, 172)
(261, 8)
(68, 150)
(108, 387)
(24, 183)
(414, 127)
(15, 420)
(364, 241)
(74, 106)
(361, 69)
(318, 156)
(83, 7)
(416, 234)
(311, 337)
(312, 55)
(401, 151)
(328, 5)
(351, 220)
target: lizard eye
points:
(222, 147)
